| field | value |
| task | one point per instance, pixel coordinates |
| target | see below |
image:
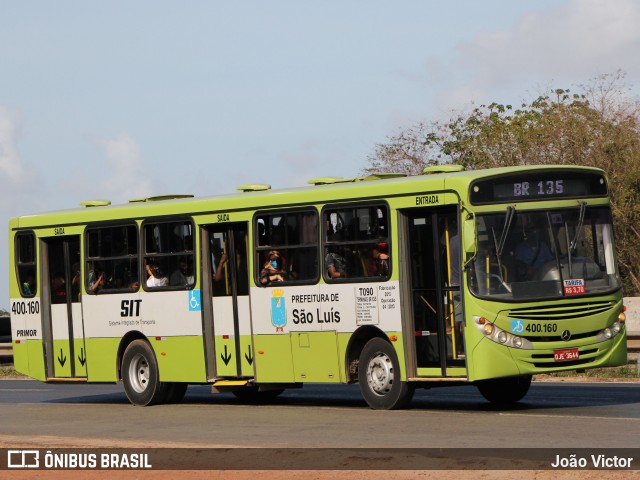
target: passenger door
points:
(225, 293)
(62, 310)
(433, 273)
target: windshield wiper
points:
(571, 246)
(499, 244)
(556, 246)
(583, 209)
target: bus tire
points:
(175, 392)
(141, 376)
(505, 391)
(379, 377)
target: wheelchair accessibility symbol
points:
(517, 326)
(194, 301)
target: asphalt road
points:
(577, 415)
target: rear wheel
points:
(505, 391)
(379, 377)
(141, 376)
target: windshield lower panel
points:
(545, 254)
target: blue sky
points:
(119, 100)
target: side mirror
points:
(469, 238)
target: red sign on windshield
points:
(574, 287)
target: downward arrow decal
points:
(82, 358)
(249, 356)
(226, 357)
(62, 358)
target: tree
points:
(600, 127)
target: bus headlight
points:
(494, 333)
(610, 332)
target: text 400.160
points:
(31, 307)
(541, 327)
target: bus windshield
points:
(544, 254)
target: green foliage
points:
(597, 127)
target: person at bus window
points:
(219, 273)
(75, 282)
(183, 275)
(272, 270)
(155, 276)
(380, 254)
(95, 279)
(375, 260)
(335, 263)
(58, 289)
(28, 287)
(530, 255)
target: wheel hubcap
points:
(380, 374)
(139, 373)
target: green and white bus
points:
(451, 277)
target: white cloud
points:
(565, 45)
(20, 183)
(22, 190)
(11, 167)
(127, 176)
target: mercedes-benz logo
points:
(566, 335)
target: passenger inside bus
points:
(273, 269)
(183, 275)
(156, 277)
(222, 260)
(335, 262)
(29, 286)
(531, 254)
(95, 278)
(377, 260)
(75, 282)
(58, 289)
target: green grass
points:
(628, 371)
(7, 371)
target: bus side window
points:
(26, 263)
(111, 259)
(356, 242)
(168, 255)
(294, 235)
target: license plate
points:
(566, 355)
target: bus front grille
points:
(562, 312)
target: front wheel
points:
(379, 377)
(141, 376)
(505, 391)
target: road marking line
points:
(26, 390)
(567, 416)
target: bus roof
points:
(260, 196)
